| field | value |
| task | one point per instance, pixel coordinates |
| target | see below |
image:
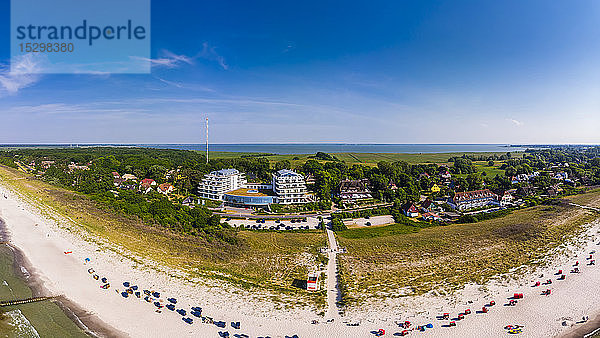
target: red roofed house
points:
(473, 199)
(149, 181)
(165, 188)
(410, 210)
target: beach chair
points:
(461, 316)
(559, 272)
(492, 303)
(484, 309)
(452, 323)
(446, 316)
(537, 283)
(404, 333)
(468, 311)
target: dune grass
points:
(393, 262)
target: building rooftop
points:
(287, 172)
(225, 172)
(249, 192)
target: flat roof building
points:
(289, 187)
(217, 183)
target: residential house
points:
(189, 201)
(165, 188)
(118, 181)
(445, 175)
(354, 190)
(410, 210)
(473, 199)
(72, 167)
(149, 181)
(427, 205)
(431, 217)
(129, 177)
(561, 176)
(47, 164)
(392, 185)
(505, 198)
(421, 175)
(525, 191)
(145, 188)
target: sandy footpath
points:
(44, 242)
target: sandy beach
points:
(44, 237)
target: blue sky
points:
(330, 71)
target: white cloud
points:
(209, 53)
(23, 73)
(516, 122)
(169, 60)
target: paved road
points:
(333, 291)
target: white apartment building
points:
(217, 183)
(290, 187)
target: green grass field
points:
(368, 158)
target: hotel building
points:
(289, 187)
(217, 183)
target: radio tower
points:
(207, 140)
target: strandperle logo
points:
(81, 36)
(87, 32)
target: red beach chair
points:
(452, 323)
(492, 303)
(560, 272)
(468, 311)
(446, 316)
(484, 309)
(404, 333)
(537, 283)
(461, 316)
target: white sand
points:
(43, 245)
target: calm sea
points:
(311, 148)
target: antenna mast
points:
(207, 140)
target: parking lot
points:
(371, 221)
(300, 223)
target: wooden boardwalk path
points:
(23, 301)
